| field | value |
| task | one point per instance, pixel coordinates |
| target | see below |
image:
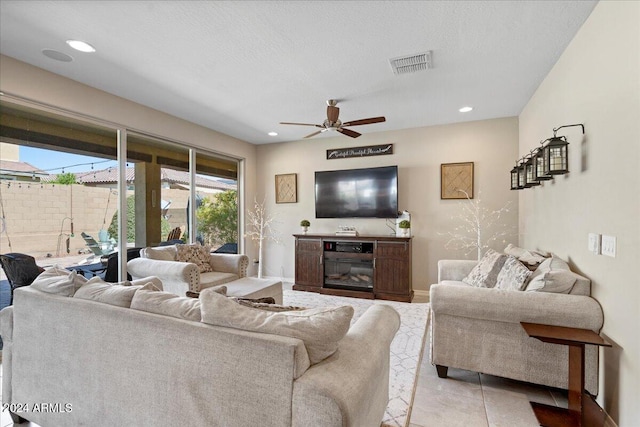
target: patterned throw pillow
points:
(513, 275)
(267, 304)
(485, 273)
(197, 254)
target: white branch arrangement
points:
(260, 225)
(477, 222)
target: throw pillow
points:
(531, 259)
(109, 293)
(321, 329)
(221, 289)
(165, 253)
(513, 275)
(197, 254)
(553, 275)
(485, 272)
(167, 304)
(267, 304)
(59, 281)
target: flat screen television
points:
(357, 193)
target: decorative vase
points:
(405, 232)
(305, 229)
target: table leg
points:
(576, 381)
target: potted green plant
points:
(405, 226)
(305, 225)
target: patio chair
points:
(111, 274)
(21, 270)
(174, 234)
(99, 249)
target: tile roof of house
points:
(110, 175)
(20, 168)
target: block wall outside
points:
(36, 219)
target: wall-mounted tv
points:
(357, 193)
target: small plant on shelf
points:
(405, 226)
(305, 225)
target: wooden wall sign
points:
(371, 150)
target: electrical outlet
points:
(594, 243)
(609, 246)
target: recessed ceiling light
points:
(273, 134)
(465, 109)
(81, 46)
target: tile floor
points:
(465, 399)
(469, 399)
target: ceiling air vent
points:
(411, 64)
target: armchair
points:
(179, 277)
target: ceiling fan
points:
(332, 123)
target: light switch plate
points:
(594, 243)
(609, 246)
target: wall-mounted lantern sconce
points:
(514, 178)
(531, 166)
(541, 163)
(556, 153)
(552, 158)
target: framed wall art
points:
(456, 179)
(287, 188)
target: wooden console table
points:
(583, 410)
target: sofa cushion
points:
(321, 329)
(167, 304)
(513, 275)
(485, 273)
(553, 275)
(108, 293)
(59, 281)
(160, 253)
(215, 278)
(196, 254)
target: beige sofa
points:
(179, 277)
(479, 329)
(101, 364)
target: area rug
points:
(406, 347)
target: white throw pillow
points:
(161, 253)
(167, 304)
(321, 329)
(513, 275)
(528, 257)
(485, 272)
(109, 293)
(553, 275)
(59, 281)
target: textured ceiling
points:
(242, 67)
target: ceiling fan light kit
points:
(333, 123)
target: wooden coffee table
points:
(583, 410)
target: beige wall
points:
(24, 80)
(491, 144)
(596, 82)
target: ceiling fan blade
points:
(365, 121)
(332, 113)
(301, 124)
(349, 132)
(314, 133)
